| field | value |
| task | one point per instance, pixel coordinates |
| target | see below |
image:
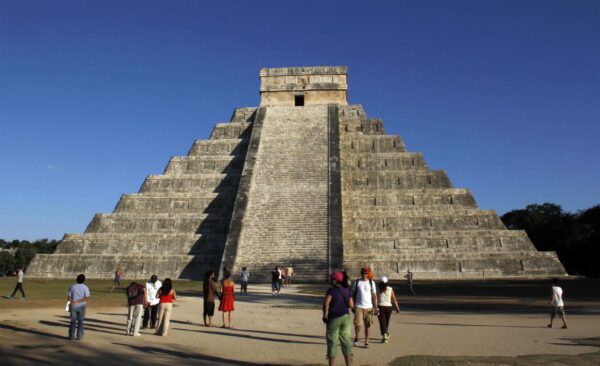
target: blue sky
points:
(94, 96)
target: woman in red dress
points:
(227, 291)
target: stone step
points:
(204, 164)
(221, 147)
(190, 183)
(384, 162)
(157, 222)
(355, 181)
(367, 126)
(351, 144)
(168, 204)
(246, 114)
(231, 130)
(407, 198)
(467, 265)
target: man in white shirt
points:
(244, 277)
(365, 304)
(557, 304)
(151, 310)
(19, 286)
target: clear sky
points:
(94, 96)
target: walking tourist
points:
(167, 295)
(290, 274)
(409, 282)
(244, 277)
(337, 318)
(558, 306)
(209, 292)
(19, 285)
(77, 296)
(346, 280)
(387, 302)
(276, 281)
(227, 298)
(364, 295)
(136, 301)
(118, 277)
(151, 308)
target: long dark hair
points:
(167, 286)
(207, 275)
(383, 286)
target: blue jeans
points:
(276, 285)
(77, 317)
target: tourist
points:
(386, 298)
(345, 280)
(19, 285)
(364, 295)
(77, 296)
(118, 277)
(558, 306)
(209, 292)
(337, 318)
(151, 309)
(276, 281)
(290, 273)
(136, 301)
(167, 295)
(409, 282)
(227, 298)
(283, 276)
(244, 277)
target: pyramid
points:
(305, 180)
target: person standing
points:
(290, 274)
(167, 295)
(244, 277)
(346, 280)
(136, 301)
(409, 282)
(558, 306)
(276, 280)
(227, 298)
(387, 301)
(118, 277)
(151, 308)
(364, 295)
(19, 285)
(209, 292)
(336, 316)
(77, 295)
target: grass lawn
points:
(46, 293)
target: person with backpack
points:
(136, 301)
(364, 295)
(387, 302)
(337, 317)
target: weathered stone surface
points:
(319, 186)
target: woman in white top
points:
(386, 297)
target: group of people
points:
(281, 277)
(365, 299)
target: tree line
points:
(574, 236)
(19, 253)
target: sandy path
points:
(282, 330)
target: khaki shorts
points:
(362, 317)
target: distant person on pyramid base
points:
(409, 282)
(19, 285)
(119, 273)
(557, 304)
(227, 298)
(244, 278)
(290, 274)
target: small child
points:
(557, 304)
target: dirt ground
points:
(485, 321)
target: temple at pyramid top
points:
(300, 86)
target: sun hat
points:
(338, 276)
(384, 279)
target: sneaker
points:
(23, 298)
(355, 343)
(383, 339)
(137, 335)
(387, 336)
(9, 297)
(564, 327)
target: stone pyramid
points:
(305, 180)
